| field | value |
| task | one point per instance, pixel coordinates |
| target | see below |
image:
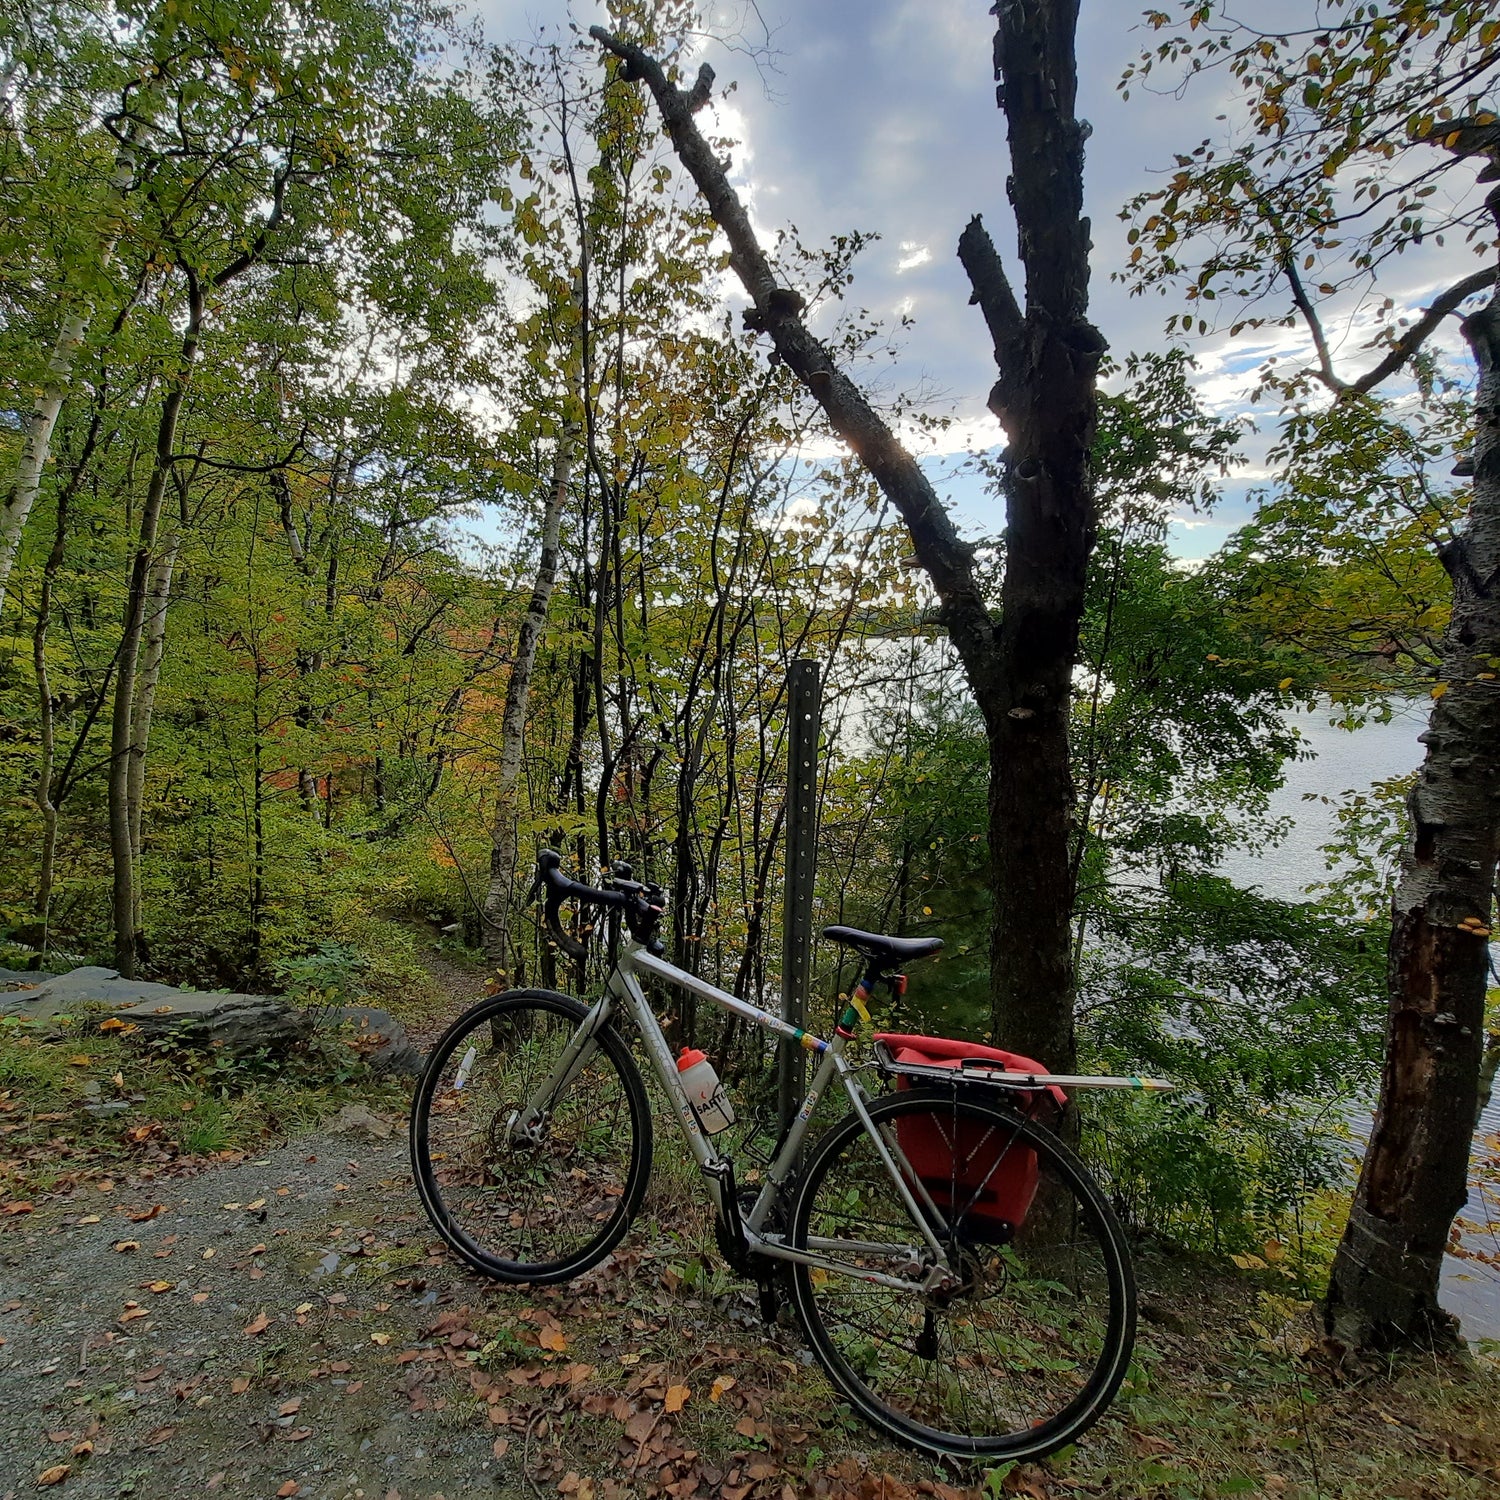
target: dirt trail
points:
(144, 1354)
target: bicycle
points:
(958, 1273)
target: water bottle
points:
(705, 1091)
(465, 1068)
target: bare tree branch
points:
(996, 300)
(1417, 335)
(946, 557)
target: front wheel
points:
(1022, 1343)
(529, 1167)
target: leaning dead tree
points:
(1019, 662)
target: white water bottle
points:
(697, 1076)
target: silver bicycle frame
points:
(624, 988)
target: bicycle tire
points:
(547, 1208)
(1022, 1336)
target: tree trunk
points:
(45, 765)
(498, 897)
(1020, 670)
(158, 598)
(127, 757)
(1384, 1287)
(36, 431)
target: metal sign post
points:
(805, 707)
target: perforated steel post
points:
(805, 706)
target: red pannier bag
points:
(996, 1175)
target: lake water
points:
(1351, 761)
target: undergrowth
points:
(79, 1104)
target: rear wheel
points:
(1024, 1343)
(537, 1199)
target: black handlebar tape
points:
(561, 888)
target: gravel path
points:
(243, 1338)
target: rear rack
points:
(984, 1071)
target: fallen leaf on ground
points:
(552, 1338)
(239, 1385)
(258, 1324)
(291, 1487)
(290, 1408)
(161, 1286)
(123, 1245)
(299, 1434)
(22, 1208)
(676, 1397)
(380, 1338)
(159, 1435)
(55, 1475)
(721, 1384)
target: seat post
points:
(858, 1008)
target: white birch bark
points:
(498, 897)
(158, 597)
(36, 434)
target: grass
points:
(78, 1103)
(1233, 1391)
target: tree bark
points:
(1384, 1287)
(127, 755)
(158, 598)
(1019, 669)
(41, 420)
(501, 891)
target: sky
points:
(880, 115)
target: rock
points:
(239, 1023)
(393, 1053)
(354, 1117)
(22, 978)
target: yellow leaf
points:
(1284, 684)
(380, 1338)
(721, 1384)
(676, 1398)
(55, 1475)
(1274, 1251)
(114, 1023)
(79, 1061)
(1439, 690)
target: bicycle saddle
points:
(887, 950)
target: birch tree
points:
(1348, 131)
